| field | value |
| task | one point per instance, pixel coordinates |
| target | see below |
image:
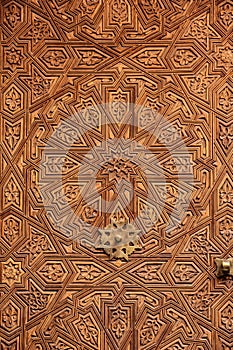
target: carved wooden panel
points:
(116, 174)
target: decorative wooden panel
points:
(115, 91)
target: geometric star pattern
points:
(143, 60)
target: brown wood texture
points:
(63, 58)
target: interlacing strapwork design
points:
(129, 99)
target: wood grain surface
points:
(116, 65)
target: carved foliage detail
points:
(38, 244)
(226, 193)
(199, 244)
(226, 14)
(12, 193)
(201, 300)
(55, 58)
(36, 300)
(13, 100)
(226, 229)
(226, 134)
(10, 317)
(120, 11)
(226, 99)
(227, 318)
(184, 57)
(12, 134)
(184, 272)
(150, 330)
(40, 30)
(13, 15)
(87, 330)
(200, 83)
(119, 322)
(53, 272)
(11, 229)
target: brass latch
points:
(224, 267)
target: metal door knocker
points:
(224, 267)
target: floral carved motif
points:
(13, 57)
(89, 58)
(184, 272)
(39, 85)
(90, 113)
(226, 135)
(36, 300)
(12, 134)
(226, 99)
(150, 330)
(87, 330)
(55, 58)
(11, 272)
(89, 6)
(11, 229)
(184, 57)
(225, 56)
(226, 229)
(12, 193)
(149, 57)
(226, 193)
(118, 168)
(38, 244)
(149, 272)
(53, 272)
(89, 214)
(151, 7)
(119, 106)
(227, 318)
(40, 30)
(59, 164)
(170, 134)
(200, 83)
(226, 14)
(13, 15)
(88, 272)
(148, 213)
(200, 29)
(200, 244)
(119, 11)
(13, 100)
(149, 112)
(10, 317)
(201, 300)
(119, 322)
(179, 164)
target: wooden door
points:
(116, 174)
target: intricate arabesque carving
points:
(40, 30)
(36, 300)
(173, 60)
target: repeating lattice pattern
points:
(62, 57)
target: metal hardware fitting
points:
(224, 267)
